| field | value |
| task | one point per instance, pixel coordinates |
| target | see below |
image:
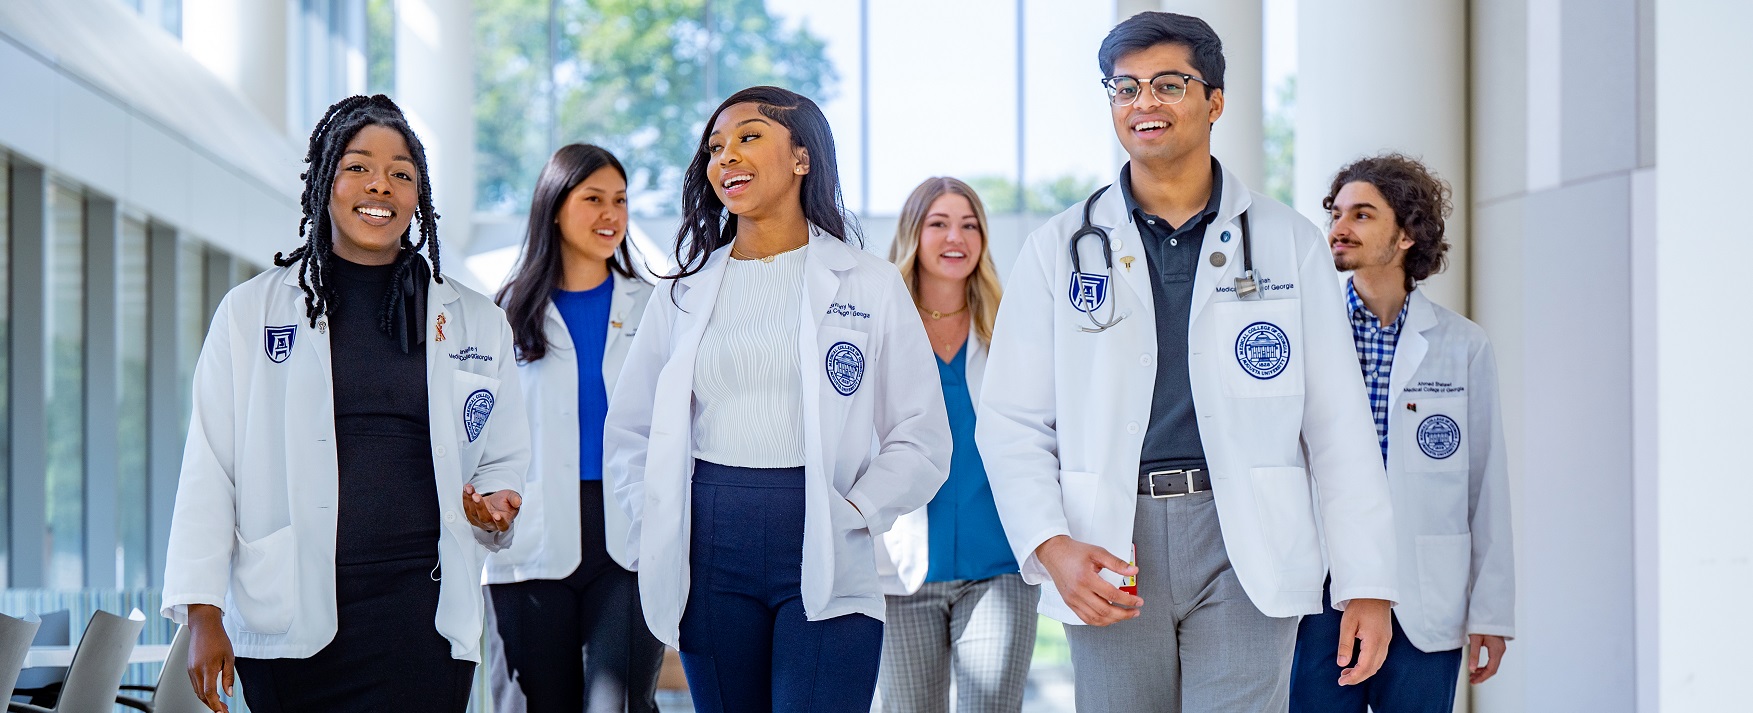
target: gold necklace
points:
(940, 315)
(768, 259)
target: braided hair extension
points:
(328, 141)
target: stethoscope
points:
(1246, 285)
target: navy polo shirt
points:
(1171, 440)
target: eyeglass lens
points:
(1168, 88)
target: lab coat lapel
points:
(1412, 345)
(1235, 201)
(1111, 215)
(444, 332)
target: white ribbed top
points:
(748, 400)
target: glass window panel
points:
(131, 500)
(380, 46)
(191, 318)
(65, 320)
(5, 368)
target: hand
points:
(492, 512)
(1371, 622)
(1494, 646)
(209, 656)
(1076, 569)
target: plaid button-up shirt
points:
(1375, 353)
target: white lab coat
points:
(253, 531)
(850, 297)
(1063, 414)
(548, 546)
(903, 554)
(1450, 488)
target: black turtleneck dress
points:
(387, 654)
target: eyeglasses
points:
(1169, 88)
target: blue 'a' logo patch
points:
(1263, 350)
(845, 366)
(277, 341)
(476, 409)
(1088, 291)
(1439, 436)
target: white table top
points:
(62, 656)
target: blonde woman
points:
(956, 601)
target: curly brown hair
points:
(1421, 203)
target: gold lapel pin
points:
(1127, 261)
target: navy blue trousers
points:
(1410, 681)
(745, 642)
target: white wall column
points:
(1238, 140)
(1381, 75)
(244, 44)
(435, 86)
(1704, 539)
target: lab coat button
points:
(441, 451)
(1132, 427)
(450, 516)
(1144, 360)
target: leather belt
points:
(1174, 483)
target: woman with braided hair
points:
(356, 449)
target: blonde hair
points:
(983, 287)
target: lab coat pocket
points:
(262, 586)
(1077, 493)
(1434, 433)
(1445, 564)
(475, 398)
(1287, 521)
(1259, 347)
(843, 356)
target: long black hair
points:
(328, 141)
(539, 270)
(706, 228)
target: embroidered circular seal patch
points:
(845, 367)
(1439, 436)
(476, 409)
(1263, 350)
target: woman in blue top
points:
(574, 302)
(956, 599)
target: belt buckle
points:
(1191, 488)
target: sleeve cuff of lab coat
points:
(1507, 632)
(177, 608)
(1343, 599)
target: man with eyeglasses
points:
(1172, 383)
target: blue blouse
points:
(966, 539)
(586, 315)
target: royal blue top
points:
(967, 540)
(586, 315)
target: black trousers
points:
(547, 623)
(386, 655)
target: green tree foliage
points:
(638, 77)
(1281, 144)
(1049, 197)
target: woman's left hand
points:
(492, 512)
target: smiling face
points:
(753, 165)
(950, 241)
(593, 218)
(1154, 132)
(1364, 233)
(372, 200)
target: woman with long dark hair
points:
(740, 437)
(356, 448)
(563, 586)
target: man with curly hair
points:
(1432, 383)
